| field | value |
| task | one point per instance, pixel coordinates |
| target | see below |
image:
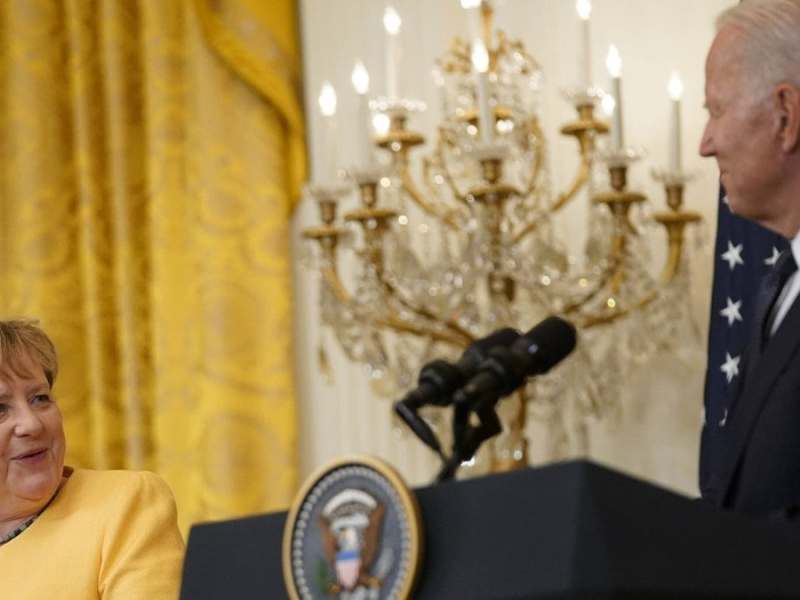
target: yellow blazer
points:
(110, 535)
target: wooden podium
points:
(571, 530)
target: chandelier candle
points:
(675, 89)
(392, 24)
(495, 254)
(360, 79)
(614, 65)
(327, 106)
(473, 8)
(480, 61)
(584, 9)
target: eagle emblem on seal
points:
(351, 524)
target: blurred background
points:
(154, 191)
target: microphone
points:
(505, 369)
(439, 379)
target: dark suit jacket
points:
(756, 468)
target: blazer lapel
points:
(760, 376)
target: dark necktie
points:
(770, 290)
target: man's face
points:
(741, 132)
(31, 442)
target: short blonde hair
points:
(20, 338)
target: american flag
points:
(743, 253)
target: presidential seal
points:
(353, 533)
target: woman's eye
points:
(41, 398)
(3, 410)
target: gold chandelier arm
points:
(448, 176)
(331, 277)
(538, 158)
(604, 319)
(619, 203)
(410, 187)
(427, 165)
(612, 275)
(424, 332)
(583, 130)
(563, 199)
(675, 222)
(455, 329)
(462, 340)
(528, 228)
(673, 264)
(580, 180)
(609, 274)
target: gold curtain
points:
(150, 151)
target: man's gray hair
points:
(771, 49)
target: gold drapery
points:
(149, 155)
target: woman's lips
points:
(32, 457)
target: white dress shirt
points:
(790, 290)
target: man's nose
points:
(707, 143)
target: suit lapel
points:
(761, 374)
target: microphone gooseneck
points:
(504, 370)
(439, 379)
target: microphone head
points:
(501, 337)
(478, 350)
(547, 344)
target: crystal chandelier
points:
(460, 239)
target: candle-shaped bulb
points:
(480, 62)
(381, 123)
(327, 99)
(675, 86)
(614, 65)
(614, 62)
(360, 78)
(472, 7)
(675, 89)
(608, 104)
(327, 106)
(584, 8)
(480, 57)
(392, 21)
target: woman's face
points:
(31, 442)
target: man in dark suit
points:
(753, 131)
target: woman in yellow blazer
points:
(72, 533)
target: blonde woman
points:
(71, 533)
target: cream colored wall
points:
(655, 434)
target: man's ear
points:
(788, 101)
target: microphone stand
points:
(468, 439)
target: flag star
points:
(733, 255)
(770, 262)
(730, 367)
(731, 311)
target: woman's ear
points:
(788, 101)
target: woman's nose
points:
(27, 422)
